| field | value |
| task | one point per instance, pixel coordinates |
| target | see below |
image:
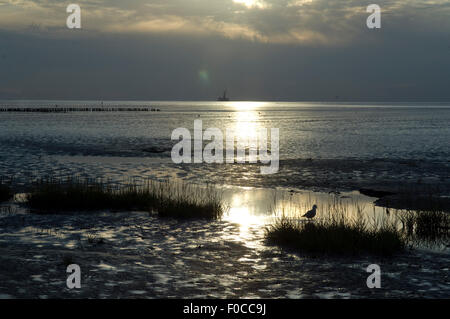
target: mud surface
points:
(135, 255)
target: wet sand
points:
(402, 178)
(134, 255)
(399, 179)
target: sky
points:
(286, 50)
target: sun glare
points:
(251, 3)
(247, 106)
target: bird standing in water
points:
(311, 213)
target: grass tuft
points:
(168, 199)
(336, 236)
(426, 225)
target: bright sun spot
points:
(251, 3)
(247, 106)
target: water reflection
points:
(245, 126)
(251, 204)
(248, 105)
(253, 208)
(249, 208)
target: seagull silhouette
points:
(311, 213)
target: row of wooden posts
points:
(77, 109)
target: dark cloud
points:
(180, 49)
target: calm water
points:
(137, 144)
(307, 130)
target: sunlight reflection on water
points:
(253, 208)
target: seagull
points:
(310, 214)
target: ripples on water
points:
(136, 255)
(137, 144)
(307, 130)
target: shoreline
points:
(392, 183)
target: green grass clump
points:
(336, 236)
(168, 199)
(5, 193)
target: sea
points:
(307, 129)
(411, 139)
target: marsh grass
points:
(168, 199)
(86, 195)
(189, 201)
(337, 233)
(331, 237)
(429, 225)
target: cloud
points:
(193, 49)
(315, 22)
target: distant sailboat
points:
(223, 98)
